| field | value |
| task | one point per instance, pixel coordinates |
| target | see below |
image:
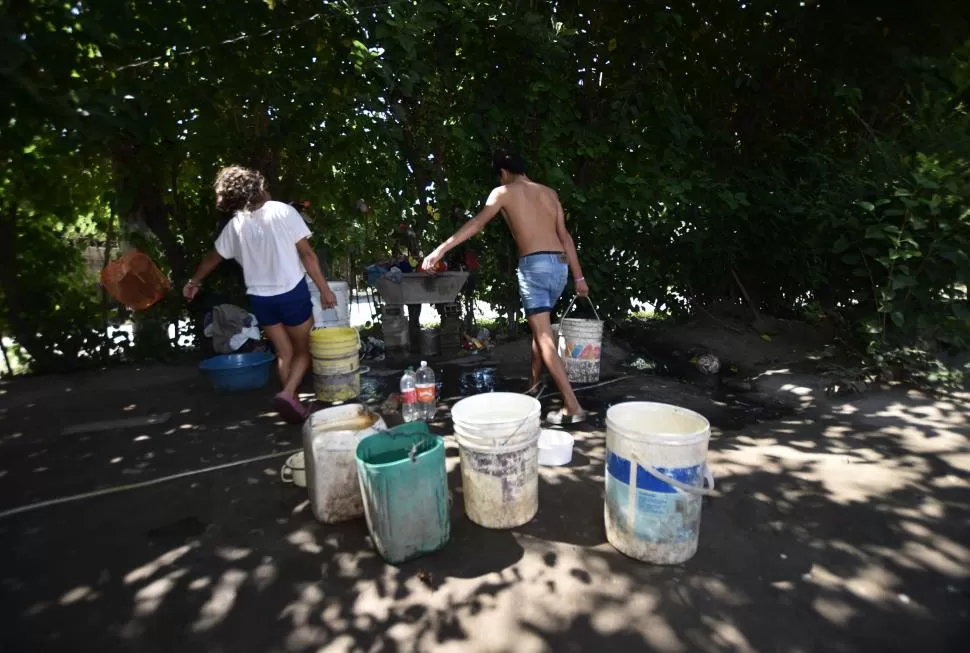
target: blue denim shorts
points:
(292, 308)
(542, 278)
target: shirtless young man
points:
(534, 215)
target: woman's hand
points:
(190, 290)
(581, 288)
(327, 298)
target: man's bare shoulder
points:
(498, 192)
(546, 190)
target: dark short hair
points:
(508, 161)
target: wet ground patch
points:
(723, 398)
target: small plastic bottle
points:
(410, 410)
(427, 391)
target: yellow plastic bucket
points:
(335, 357)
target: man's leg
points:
(299, 337)
(542, 336)
(536, 362)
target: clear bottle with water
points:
(427, 392)
(410, 410)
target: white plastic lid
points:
(424, 363)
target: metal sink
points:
(422, 288)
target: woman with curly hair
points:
(269, 240)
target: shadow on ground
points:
(839, 530)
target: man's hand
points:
(581, 288)
(327, 298)
(190, 290)
(431, 261)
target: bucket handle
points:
(573, 303)
(515, 432)
(286, 473)
(683, 487)
(386, 431)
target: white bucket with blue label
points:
(656, 477)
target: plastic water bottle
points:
(410, 410)
(426, 389)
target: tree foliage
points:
(817, 151)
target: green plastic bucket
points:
(405, 489)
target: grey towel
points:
(227, 321)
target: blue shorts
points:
(542, 278)
(292, 308)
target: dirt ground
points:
(843, 526)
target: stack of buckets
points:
(498, 440)
(334, 347)
(395, 330)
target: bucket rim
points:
(361, 408)
(573, 320)
(536, 408)
(326, 333)
(438, 442)
(701, 434)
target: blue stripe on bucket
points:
(619, 468)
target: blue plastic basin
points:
(237, 372)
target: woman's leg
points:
(284, 350)
(299, 339)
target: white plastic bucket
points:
(330, 438)
(655, 473)
(581, 345)
(339, 315)
(498, 435)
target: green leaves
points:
(681, 145)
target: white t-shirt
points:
(264, 242)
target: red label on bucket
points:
(409, 397)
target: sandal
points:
(562, 418)
(290, 409)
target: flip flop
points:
(290, 409)
(561, 418)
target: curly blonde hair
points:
(238, 188)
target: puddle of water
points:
(454, 381)
(451, 380)
(477, 381)
(733, 416)
(374, 389)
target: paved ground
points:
(842, 528)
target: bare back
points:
(533, 213)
